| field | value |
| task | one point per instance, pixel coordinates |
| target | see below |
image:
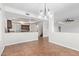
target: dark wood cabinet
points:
(9, 25)
(25, 28)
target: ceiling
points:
(61, 10)
(20, 18)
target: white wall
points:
(71, 27)
(69, 40)
(37, 27)
(1, 21)
(33, 27)
(56, 27)
(45, 28)
(40, 28)
(13, 38)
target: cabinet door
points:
(25, 28)
(9, 24)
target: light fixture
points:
(21, 22)
(45, 13)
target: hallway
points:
(38, 48)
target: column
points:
(1, 28)
(51, 27)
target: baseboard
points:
(60, 44)
(1, 49)
(2, 46)
(13, 43)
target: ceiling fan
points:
(68, 20)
